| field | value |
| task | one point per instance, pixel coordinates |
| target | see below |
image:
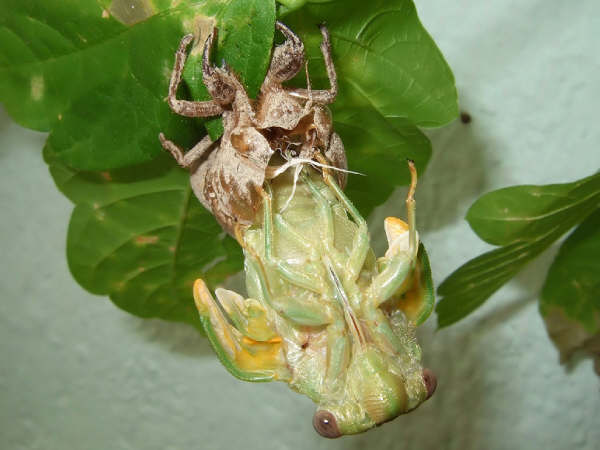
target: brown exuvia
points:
(227, 175)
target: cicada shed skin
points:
(323, 313)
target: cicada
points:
(322, 313)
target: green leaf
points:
(52, 52)
(473, 283)
(521, 213)
(100, 84)
(125, 133)
(245, 31)
(570, 301)
(513, 217)
(385, 57)
(287, 6)
(392, 77)
(378, 148)
(140, 236)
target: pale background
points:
(78, 373)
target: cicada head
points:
(376, 391)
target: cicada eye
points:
(326, 425)
(430, 381)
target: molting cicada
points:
(323, 313)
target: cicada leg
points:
(398, 266)
(185, 107)
(338, 350)
(346, 321)
(287, 58)
(414, 294)
(297, 277)
(327, 234)
(309, 310)
(248, 315)
(245, 357)
(360, 245)
(322, 96)
(185, 160)
(387, 282)
(401, 257)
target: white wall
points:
(78, 373)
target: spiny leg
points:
(291, 274)
(305, 310)
(190, 157)
(326, 214)
(322, 96)
(308, 311)
(185, 107)
(345, 322)
(411, 210)
(222, 84)
(287, 58)
(338, 351)
(328, 95)
(248, 315)
(400, 259)
(244, 357)
(283, 227)
(361, 246)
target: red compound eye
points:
(430, 381)
(326, 425)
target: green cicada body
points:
(323, 313)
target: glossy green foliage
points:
(392, 78)
(245, 32)
(95, 75)
(140, 236)
(524, 220)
